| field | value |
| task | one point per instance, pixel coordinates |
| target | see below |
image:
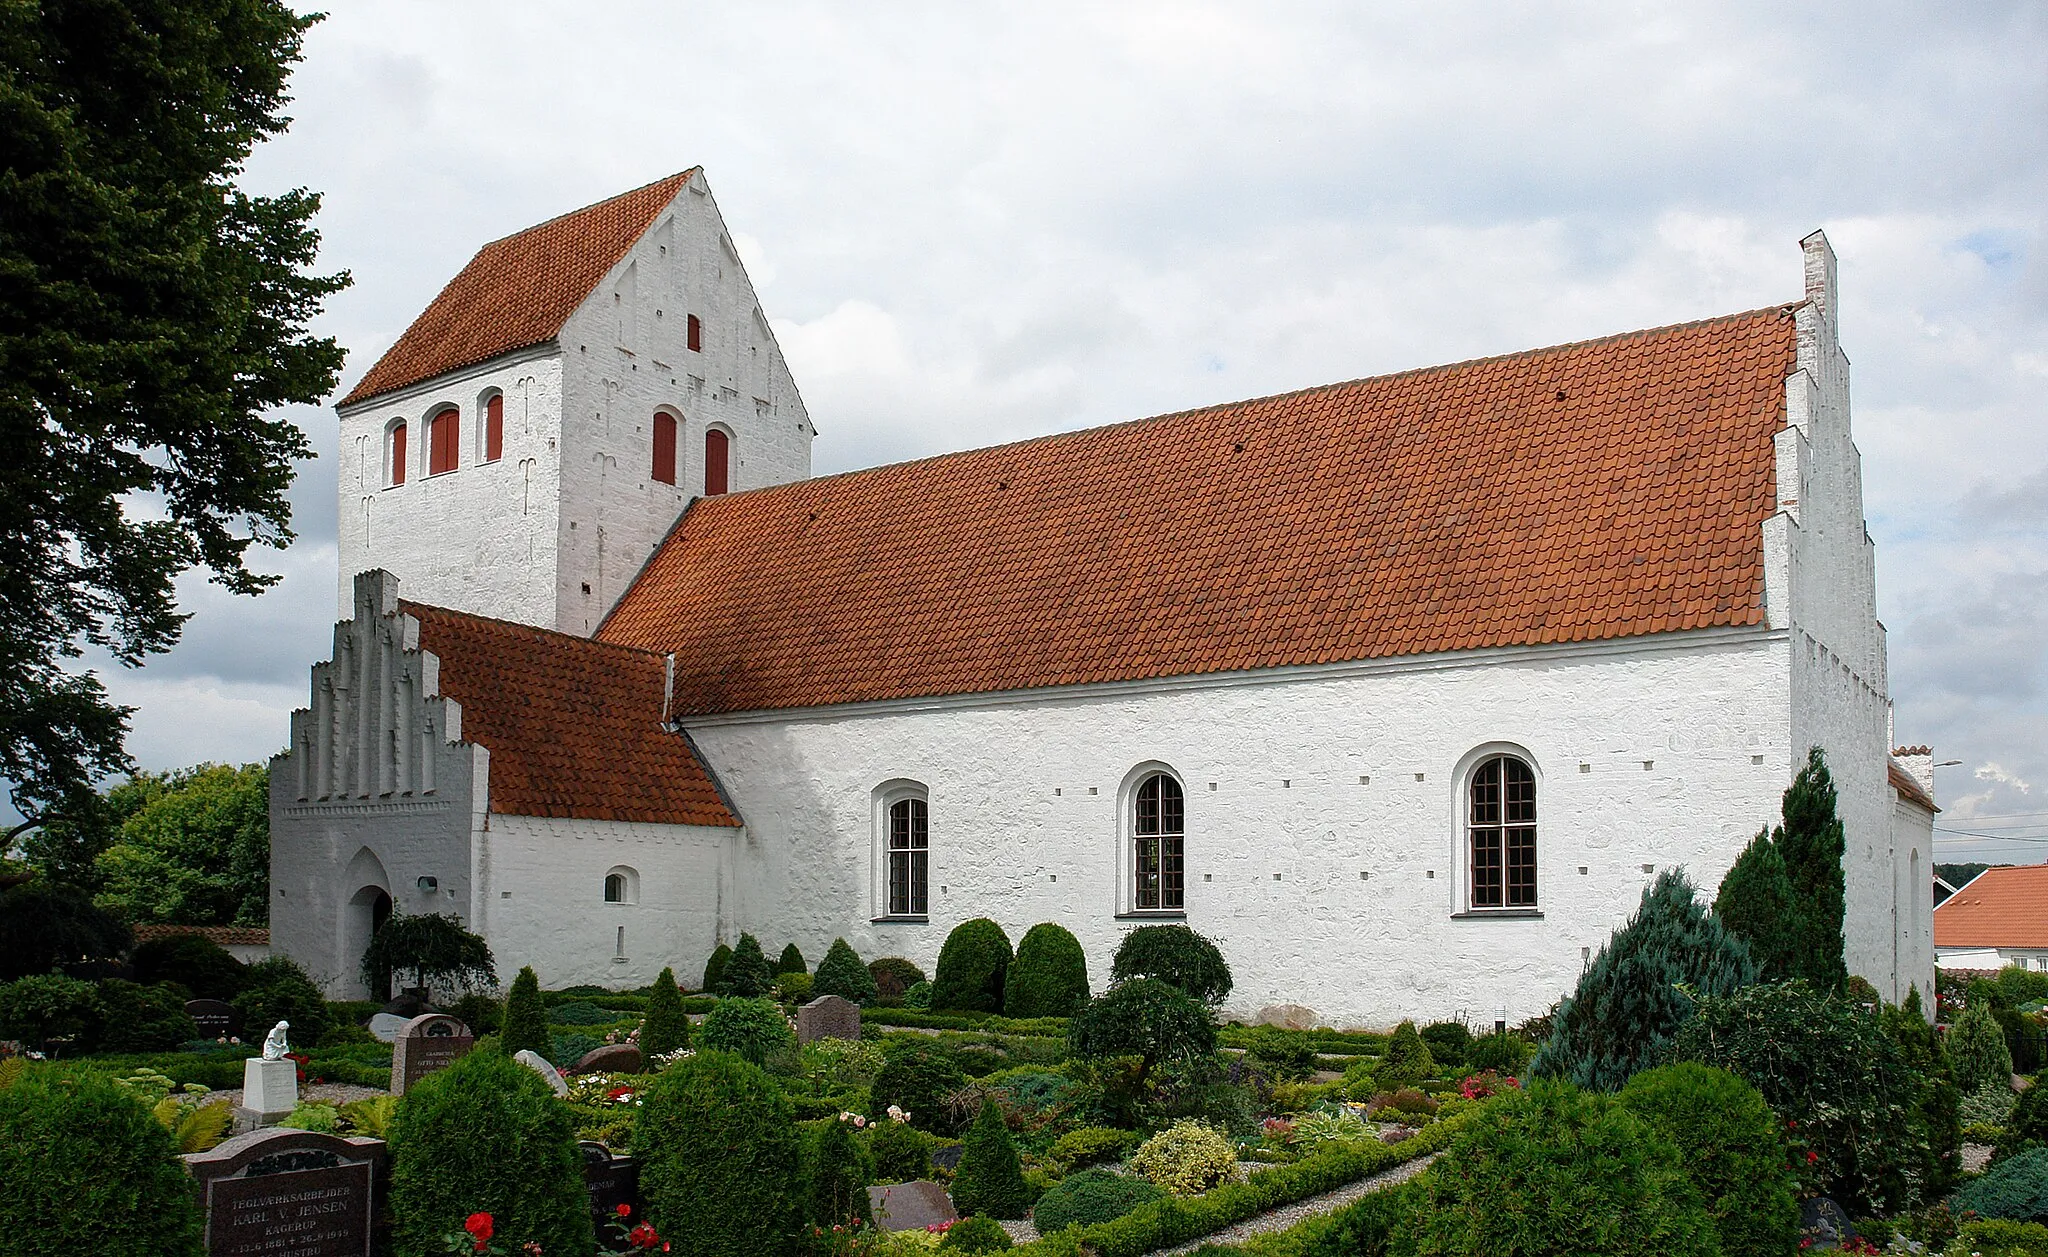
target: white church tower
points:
(530, 439)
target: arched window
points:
(1501, 825)
(665, 447)
(717, 457)
(622, 885)
(909, 857)
(395, 454)
(443, 431)
(1159, 846)
(494, 427)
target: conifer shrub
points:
(2013, 1190)
(486, 1135)
(2027, 1126)
(1755, 903)
(836, 1176)
(790, 961)
(973, 966)
(754, 1029)
(721, 1161)
(894, 976)
(917, 1078)
(747, 973)
(1089, 1197)
(714, 969)
(526, 1018)
(975, 1234)
(1049, 976)
(1977, 1050)
(1280, 1054)
(1827, 1066)
(1629, 1001)
(85, 1168)
(1937, 1101)
(1185, 1159)
(1812, 843)
(1449, 1042)
(1731, 1146)
(277, 990)
(1406, 1062)
(900, 1154)
(990, 1179)
(1556, 1169)
(1503, 1052)
(198, 964)
(841, 973)
(667, 1026)
(1176, 955)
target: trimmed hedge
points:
(973, 966)
(841, 973)
(1091, 1198)
(85, 1168)
(1362, 1229)
(1049, 975)
(720, 1158)
(1174, 954)
(1166, 1223)
(990, 1023)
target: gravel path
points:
(334, 1092)
(1301, 1210)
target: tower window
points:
(1159, 846)
(1501, 804)
(664, 447)
(694, 334)
(717, 459)
(494, 428)
(398, 453)
(443, 430)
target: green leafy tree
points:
(720, 1160)
(196, 853)
(1406, 1062)
(751, 1028)
(1812, 843)
(714, 968)
(1049, 975)
(277, 989)
(917, 1077)
(154, 319)
(1634, 996)
(1755, 903)
(836, 1176)
(85, 1168)
(841, 973)
(1977, 1049)
(198, 964)
(667, 1026)
(66, 848)
(44, 926)
(1731, 1146)
(974, 963)
(56, 1013)
(990, 1179)
(1174, 954)
(434, 948)
(1145, 1018)
(747, 973)
(526, 1017)
(791, 961)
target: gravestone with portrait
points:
(611, 1181)
(430, 1042)
(828, 1017)
(289, 1193)
(215, 1019)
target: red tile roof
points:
(1590, 491)
(573, 726)
(1908, 786)
(518, 291)
(2002, 907)
(224, 935)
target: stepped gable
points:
(1590, 491)
(1903, 782)
(518, 291)
(2001, 907)
(573, 726)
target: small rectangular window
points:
(494, 428)
(665, 448)
(909, 858)
(398, 454)
(442, 433)
(695, 334)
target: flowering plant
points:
(631, 1238)
(475, 1237)
(1480, 1086)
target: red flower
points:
(642, 1236)
(624, 1210)
(479, 1227)
(1811, 1156)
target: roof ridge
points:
(405, 603)
(683, 175)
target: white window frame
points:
(629, 890)
(1127, 845)
(886, 797)
(1461, 831)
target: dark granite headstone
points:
(408, 1005)
(948, 1157)
(430, 1042)
(611, 1181)
(612, 1058)
(288, 1193)
(216, 1019)
(910, 1206)
(828, 1017)
(1823, 1225)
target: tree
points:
(526, 1018)
(791, 961)
(667, 1026)
(1977, 1049)
(1634, 996)
(1146, 1018)
(44, 926)
(748, 973)
(1812, 844)
(720, 1158)
(435, 947)
(1175, 954)
(152, 318)
(196, 851)
(1755, 903)
(974, 963)
(714, 968)
(1938, 1104)
(841, 973)
(837, 1176)
(1049, 976)
(990, 1180)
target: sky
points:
(975, 223)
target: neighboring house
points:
(1999, 918)
(1942, 890)
(245, 943)
(1400, 688)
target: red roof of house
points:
(1908, 786)
(224, 935)
(1598, 490)
(2002, 907)
(574, 727)
(518, 291)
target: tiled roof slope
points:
(2005, 907)
(573, 726)
(518, 291)
(224, 935)
(1907, 786)
(1589, 491)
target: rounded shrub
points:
(841, 973)
(714, 968)
(1503, 1052)
(990, 1179)
(1406, 1062)
(1049, 975)
(1089, 1197)
(277, 990)
(198, 964)
(1186, 1159)
(899, 1152)
(973, 966)
(85, 1168)
(667, 1026)
(1449, 1042)
(919, 996)
(1730, 1144)
(2015, 1189)
(751, 1028)
(748, 973)
(791, 961)
(917, 1078)
(1091, 1145)
(975, 1234)
(1558, 1170)
(486, 1135)
(894, 976)
(836, 1176)
(1176, 955)
(720, 1158)
(56, 1013)
(144, 1018)
(526, 1018)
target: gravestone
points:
(270, 1091)
(948, 1157)
(612, 1058)
(288, 1193)
(385, 1027)
(428, 1043)
(1823, 1225)
(539, 1065)
(828, 1017)
(1287, 1017)
(611, 1181)
(216, 1019)
(910, 1206)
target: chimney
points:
(1918, 761)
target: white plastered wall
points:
(1912, 841)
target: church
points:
(1400, 689)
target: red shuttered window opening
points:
(695, 334)
(665, 448)
(716, 449)
(443, 432)
(494, 428)
(397, 454)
